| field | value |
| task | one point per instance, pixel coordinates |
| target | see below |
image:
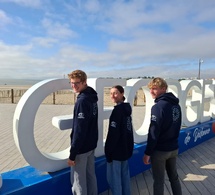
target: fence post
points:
(53, 97)
(12, 96)
(135, 100)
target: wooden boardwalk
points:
(196, 167)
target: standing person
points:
(84, 136)
(119, 143)
(162, 144)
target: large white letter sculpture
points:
(202, 92)
(23, 126)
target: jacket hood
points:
(168, 97)
(126, 108)
(89, 93)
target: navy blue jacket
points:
(120, 142)
(165, 124)
(84, 135)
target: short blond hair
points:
(78, 74)
(158, 82)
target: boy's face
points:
(77, 85)
(156, 91)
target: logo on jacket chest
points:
(113, 124)
(81, 115)
(153, 118)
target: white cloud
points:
(26, 3)
(109, 38)
(4, 19)
(44, 41)
(56, 29)
(92, 6)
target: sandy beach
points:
(13, 93)
(6, 87)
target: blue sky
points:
(43, 39)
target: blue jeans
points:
(162, 161)
(83, 177)
(118, 177)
